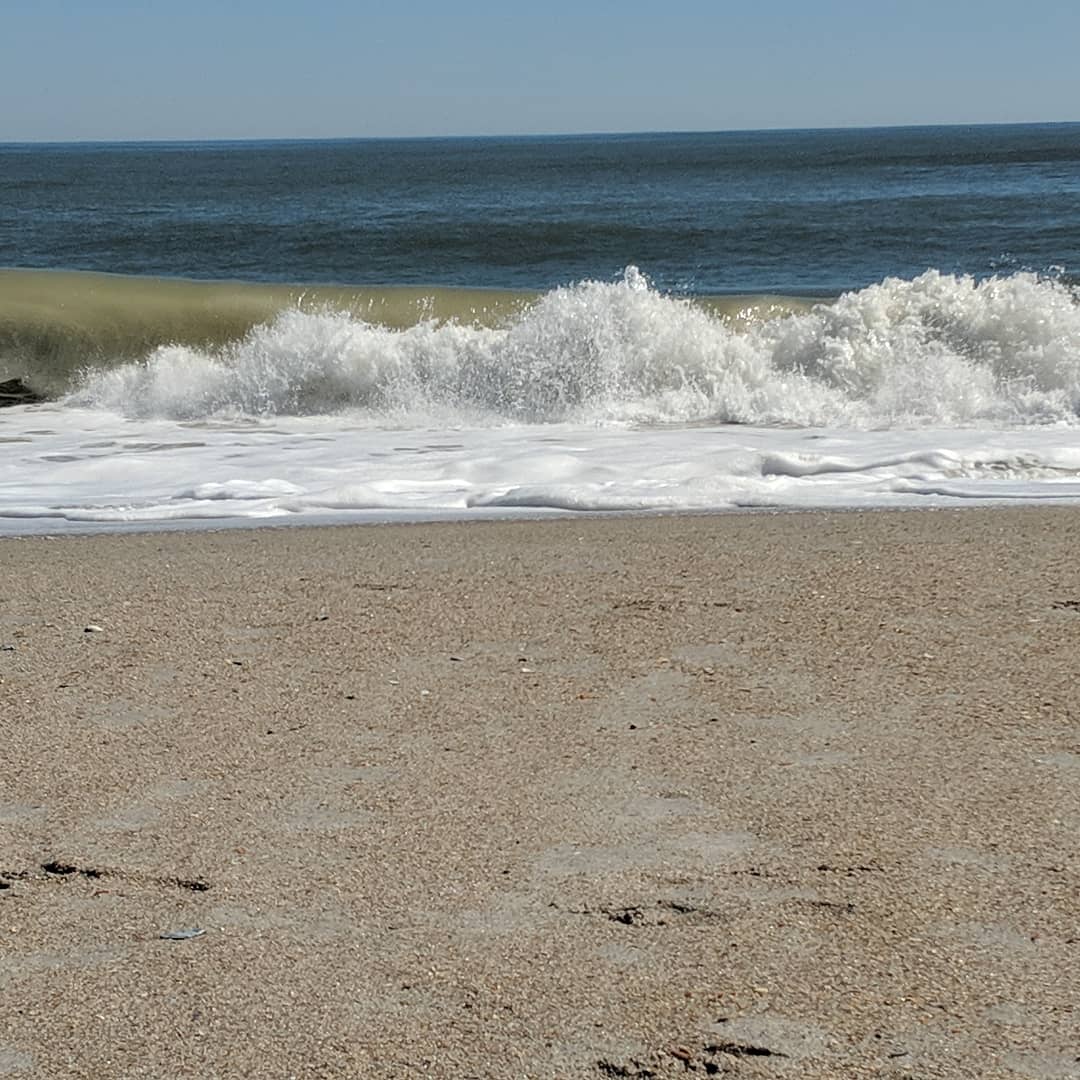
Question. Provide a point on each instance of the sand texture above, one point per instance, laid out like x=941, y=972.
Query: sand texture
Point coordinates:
x=786, y=796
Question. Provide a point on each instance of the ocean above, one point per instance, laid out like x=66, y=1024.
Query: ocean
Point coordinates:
x=373, y=330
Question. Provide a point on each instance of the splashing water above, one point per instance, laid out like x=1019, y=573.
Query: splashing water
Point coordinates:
x=936, y=350
x=596, y=397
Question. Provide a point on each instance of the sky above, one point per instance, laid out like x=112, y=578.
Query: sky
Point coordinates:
x=242, y=69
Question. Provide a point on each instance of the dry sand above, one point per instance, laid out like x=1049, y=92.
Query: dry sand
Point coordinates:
x=771, y=795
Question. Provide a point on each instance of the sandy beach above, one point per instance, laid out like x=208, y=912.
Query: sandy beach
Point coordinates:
x=771, y=795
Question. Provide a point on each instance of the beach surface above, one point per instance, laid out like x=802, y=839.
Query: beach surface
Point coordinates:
x=770, y=795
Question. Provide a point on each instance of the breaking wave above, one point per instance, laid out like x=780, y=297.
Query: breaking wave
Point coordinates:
x=934, y=350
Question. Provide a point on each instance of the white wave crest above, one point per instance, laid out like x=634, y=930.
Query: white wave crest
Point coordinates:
x=935, y=350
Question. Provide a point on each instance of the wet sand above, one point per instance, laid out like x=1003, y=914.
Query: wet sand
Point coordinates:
x=769, y=795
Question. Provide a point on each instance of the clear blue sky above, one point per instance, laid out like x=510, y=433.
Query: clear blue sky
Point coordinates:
x=164, y=69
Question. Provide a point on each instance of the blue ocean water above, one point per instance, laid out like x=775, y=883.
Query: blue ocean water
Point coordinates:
x=792, y=212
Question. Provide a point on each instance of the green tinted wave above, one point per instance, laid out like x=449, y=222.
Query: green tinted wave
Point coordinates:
x=54, y=324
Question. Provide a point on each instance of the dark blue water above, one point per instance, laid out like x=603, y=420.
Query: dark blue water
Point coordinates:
x=805, y=212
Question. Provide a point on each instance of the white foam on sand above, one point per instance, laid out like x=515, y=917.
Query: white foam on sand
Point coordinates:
x=98, y=467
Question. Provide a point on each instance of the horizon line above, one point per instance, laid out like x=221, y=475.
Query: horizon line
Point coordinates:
x=226, y=139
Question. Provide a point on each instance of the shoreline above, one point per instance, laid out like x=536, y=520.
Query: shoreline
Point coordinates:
x=771, y=793
x=516, y=516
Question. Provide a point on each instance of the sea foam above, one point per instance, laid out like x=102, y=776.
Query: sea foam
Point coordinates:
x=599, y=397
x=937, y=350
